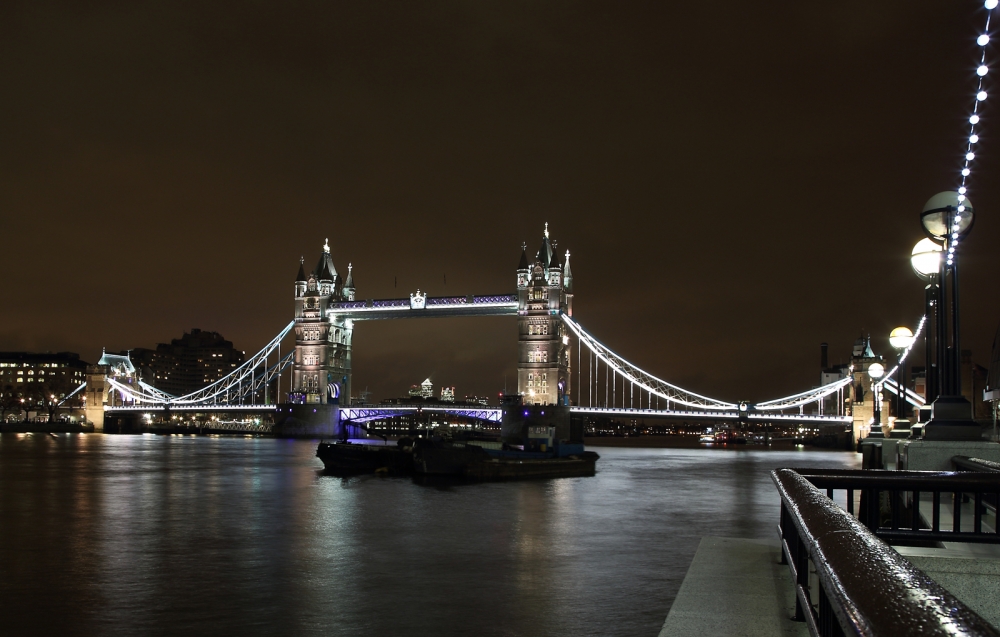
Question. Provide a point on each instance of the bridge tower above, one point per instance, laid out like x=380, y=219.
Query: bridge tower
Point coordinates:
x=544, y=291
x=321, y=371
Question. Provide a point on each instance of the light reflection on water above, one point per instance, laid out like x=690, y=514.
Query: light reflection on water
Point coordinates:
x=124, y=535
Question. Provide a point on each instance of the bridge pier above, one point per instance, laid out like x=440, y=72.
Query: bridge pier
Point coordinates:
x=310, y=420
x=517, y=419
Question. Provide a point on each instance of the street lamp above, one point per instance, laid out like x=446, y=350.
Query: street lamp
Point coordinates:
x=875, y=372
x=947, y=218
x=926, y=261
x=901, y=339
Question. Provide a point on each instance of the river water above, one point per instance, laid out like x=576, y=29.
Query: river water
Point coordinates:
x=170, y=535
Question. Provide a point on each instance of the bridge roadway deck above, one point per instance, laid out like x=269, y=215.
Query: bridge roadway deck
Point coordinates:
x=364, y=413
x=430, y=307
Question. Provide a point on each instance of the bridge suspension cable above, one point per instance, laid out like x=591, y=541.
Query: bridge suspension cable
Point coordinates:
x=243, y=384
x=637, y=377
x=804, y=398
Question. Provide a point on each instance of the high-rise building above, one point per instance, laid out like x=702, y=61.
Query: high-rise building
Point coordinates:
x=545, y=291
x=447, y=394
x=188, y=363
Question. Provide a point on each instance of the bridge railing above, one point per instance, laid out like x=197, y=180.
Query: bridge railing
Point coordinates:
x=863, y=586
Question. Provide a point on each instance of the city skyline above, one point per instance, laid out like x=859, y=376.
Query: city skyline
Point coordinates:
x=735, y=188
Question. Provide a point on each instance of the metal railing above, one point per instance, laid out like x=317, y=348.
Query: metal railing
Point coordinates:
x=863, y=586
x=893, y=507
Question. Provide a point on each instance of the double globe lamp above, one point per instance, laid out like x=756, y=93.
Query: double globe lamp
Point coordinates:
x=946, y=219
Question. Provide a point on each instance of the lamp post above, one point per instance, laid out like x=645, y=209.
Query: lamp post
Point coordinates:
x=947, y=218
x=901, y=338
x=926, y=261
x=875, y=372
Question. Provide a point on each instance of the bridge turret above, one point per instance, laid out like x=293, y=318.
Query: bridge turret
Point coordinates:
x=326, y=272
x=568, y=285
x=523, y=271
x=555, y=271
x=321, y=372
x=543, y=370
x=300, y=279
x=348, y=291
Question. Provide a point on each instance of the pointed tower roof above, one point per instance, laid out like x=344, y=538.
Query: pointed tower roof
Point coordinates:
x=302, y=271
x=545, y=252
x=863, y=347
x=868, y=348
x=523, y=264
x=325, y=270
x=567, y=274
x=349, y=283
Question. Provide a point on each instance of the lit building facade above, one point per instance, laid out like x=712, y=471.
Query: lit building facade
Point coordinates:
x=323, y=340
x=544, y=291
x=186, y=364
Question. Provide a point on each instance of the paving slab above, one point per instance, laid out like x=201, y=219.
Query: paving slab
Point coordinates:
x=735, y=588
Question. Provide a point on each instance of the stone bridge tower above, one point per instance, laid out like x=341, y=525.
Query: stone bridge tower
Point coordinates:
x=321, y=371
x=544, y=291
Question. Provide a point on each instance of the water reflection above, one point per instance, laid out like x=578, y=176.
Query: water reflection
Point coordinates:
x=109, y=535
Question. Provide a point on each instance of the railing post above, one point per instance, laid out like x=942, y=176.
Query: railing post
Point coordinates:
x=801, y=575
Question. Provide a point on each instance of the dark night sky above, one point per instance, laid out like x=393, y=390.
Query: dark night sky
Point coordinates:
x=737, y=182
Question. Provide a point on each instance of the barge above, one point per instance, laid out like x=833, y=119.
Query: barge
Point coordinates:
x=479, y=460
x=535, y=442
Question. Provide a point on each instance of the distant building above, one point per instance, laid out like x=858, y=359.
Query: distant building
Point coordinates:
x=423, y=390
x=188, y=363
x=34, y=382
x=862, y=398
x=447, y=394
x=23, y=369
x=477, y=400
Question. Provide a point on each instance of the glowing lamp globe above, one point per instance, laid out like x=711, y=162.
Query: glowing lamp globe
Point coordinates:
x=901, y=338
x=926, y=258
x=875, y=370
x=940, y=211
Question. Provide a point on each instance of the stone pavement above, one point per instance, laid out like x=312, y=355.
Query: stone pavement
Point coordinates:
x=735, y=588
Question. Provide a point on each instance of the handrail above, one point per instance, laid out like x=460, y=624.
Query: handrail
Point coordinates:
x=891, y=502
x=966, y=463
x=865, y=587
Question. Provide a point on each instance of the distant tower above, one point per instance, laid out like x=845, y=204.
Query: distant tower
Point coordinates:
x=862, y=398
x=321, y=372
x=543, y=291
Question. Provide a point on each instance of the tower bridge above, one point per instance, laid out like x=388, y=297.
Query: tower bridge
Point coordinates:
x=553, y=381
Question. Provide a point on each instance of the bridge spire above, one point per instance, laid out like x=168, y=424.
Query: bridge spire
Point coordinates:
x=567, y=275
x=545, y=252
x=349, y=283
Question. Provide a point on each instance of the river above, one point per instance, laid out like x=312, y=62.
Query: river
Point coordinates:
x=173, y=535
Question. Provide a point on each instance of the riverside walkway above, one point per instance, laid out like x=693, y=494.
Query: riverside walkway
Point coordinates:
x=735, y=587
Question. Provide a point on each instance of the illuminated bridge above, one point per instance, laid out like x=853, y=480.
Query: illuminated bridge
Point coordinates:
x=559, y=362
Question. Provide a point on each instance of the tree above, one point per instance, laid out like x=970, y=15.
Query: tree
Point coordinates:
x=51, y=393
x=10, y=400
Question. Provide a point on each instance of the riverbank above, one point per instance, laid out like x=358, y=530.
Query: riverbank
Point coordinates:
x=688, y=442
x=45, y=428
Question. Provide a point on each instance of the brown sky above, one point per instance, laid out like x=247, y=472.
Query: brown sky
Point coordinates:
x=737, y=181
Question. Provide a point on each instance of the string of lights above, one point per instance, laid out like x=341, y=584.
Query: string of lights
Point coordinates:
x=981, y=71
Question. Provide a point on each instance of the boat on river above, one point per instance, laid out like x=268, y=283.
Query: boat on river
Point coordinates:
x=436, y=455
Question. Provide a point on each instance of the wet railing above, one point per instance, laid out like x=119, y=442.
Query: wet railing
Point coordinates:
x=924, y=506
x=862, y=586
